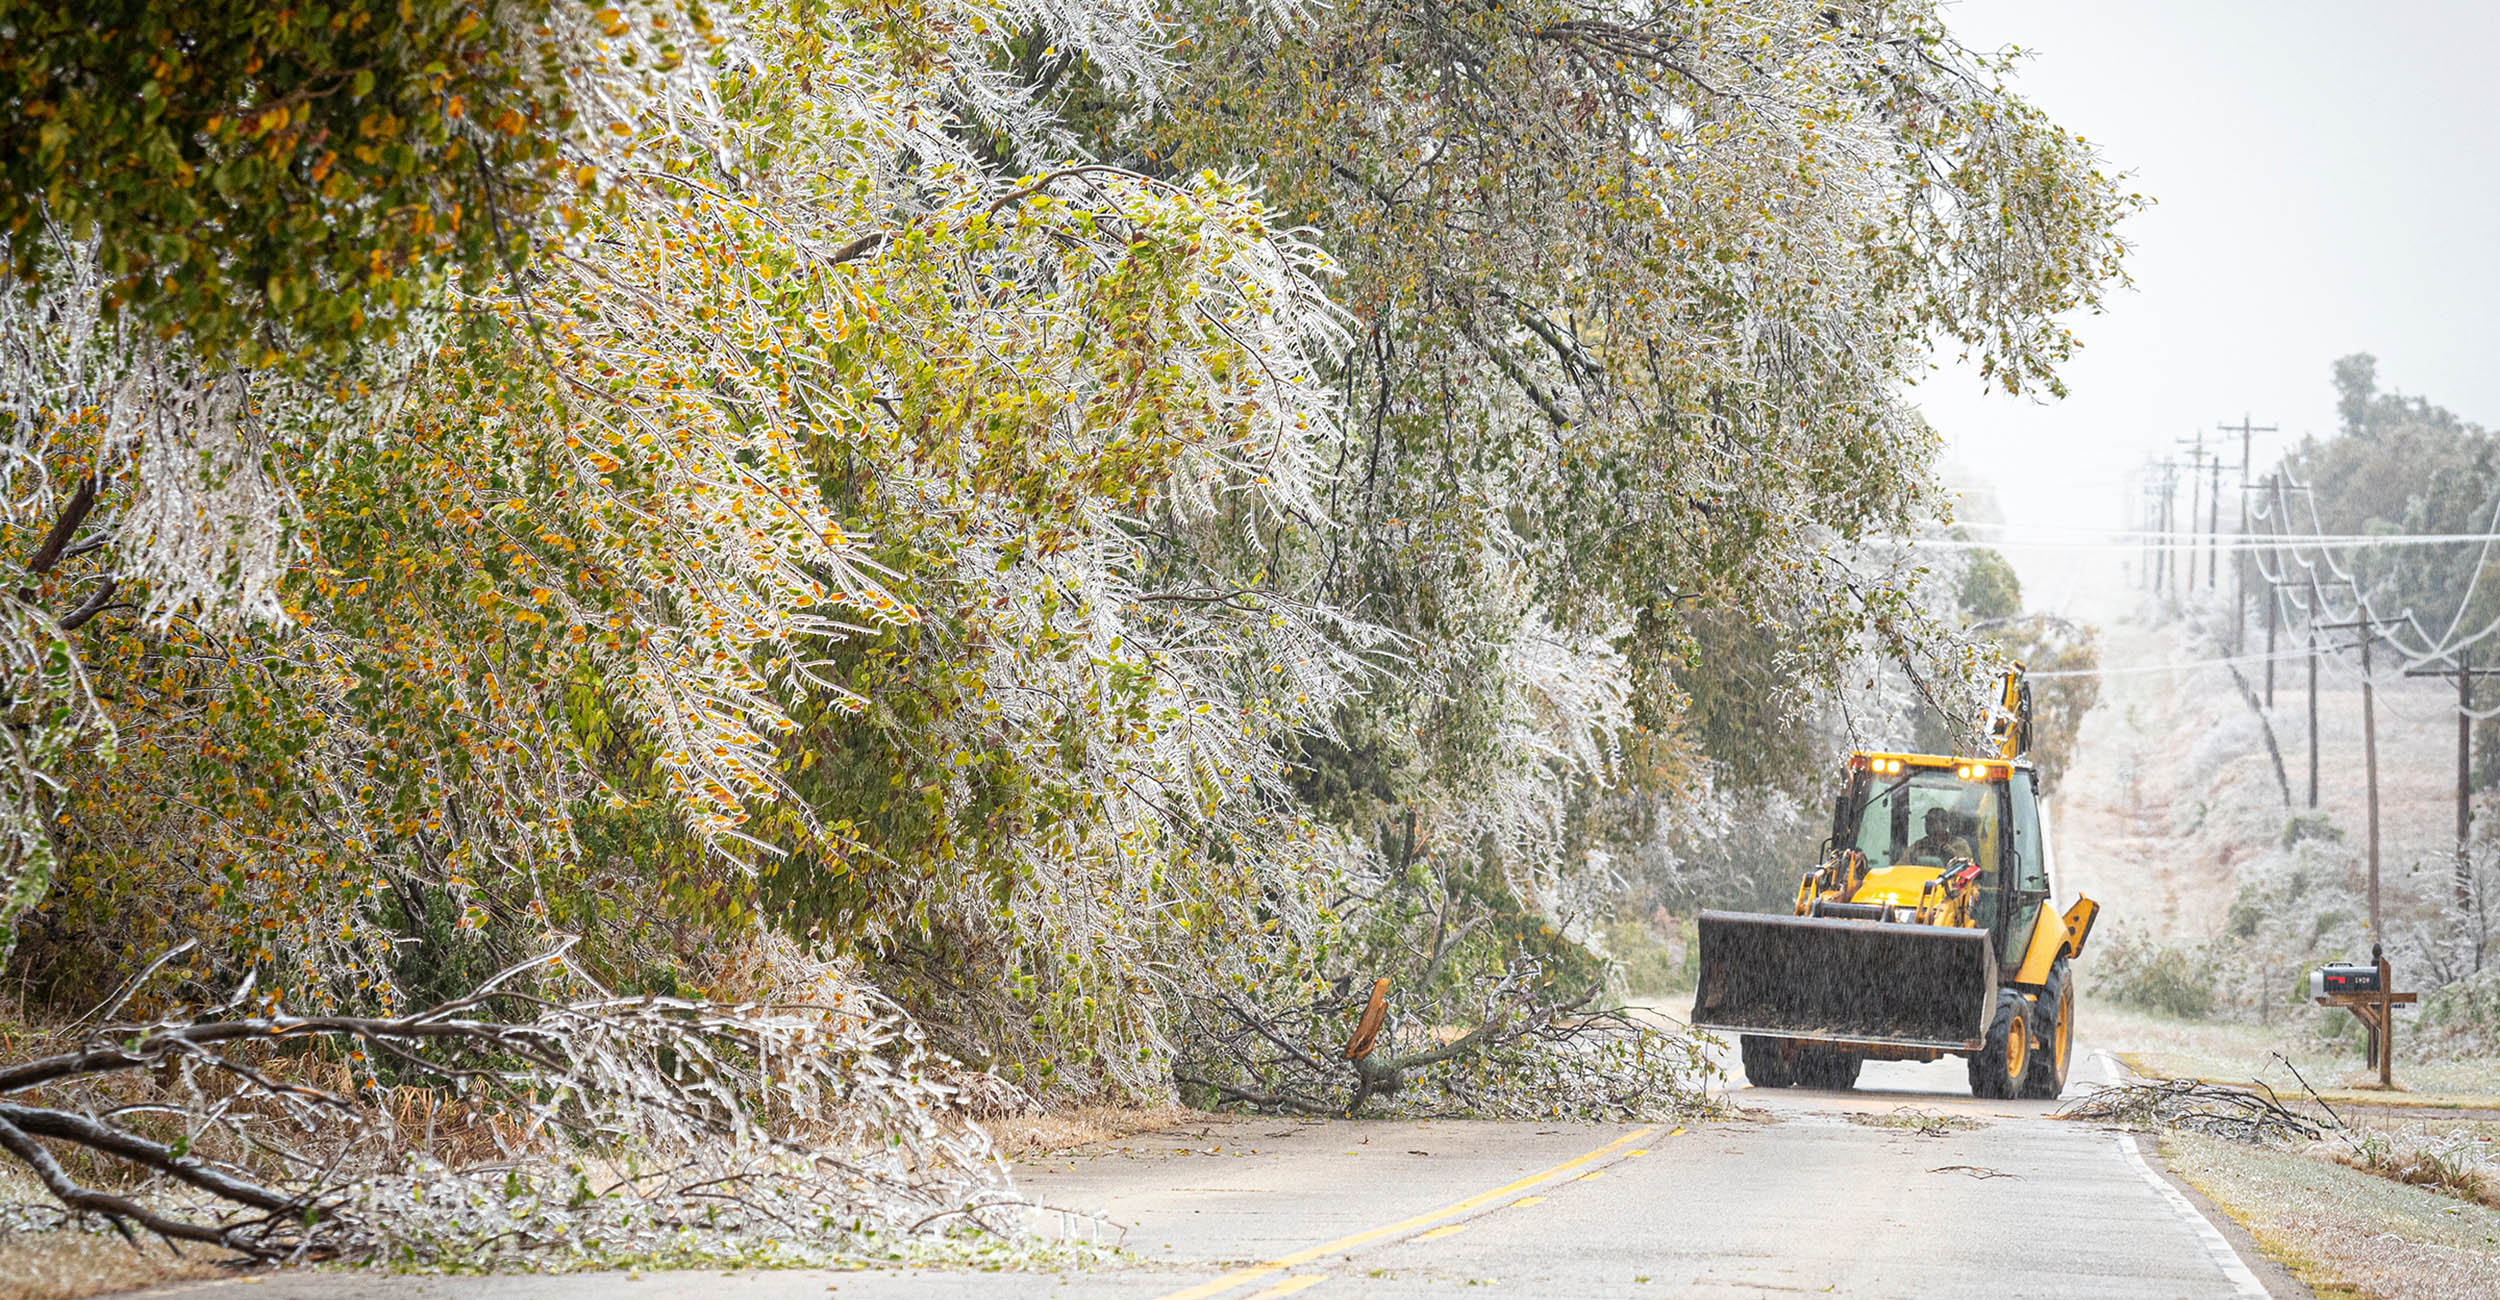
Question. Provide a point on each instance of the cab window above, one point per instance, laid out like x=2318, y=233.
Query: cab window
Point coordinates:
x=1928, y=817
x=2026, y=868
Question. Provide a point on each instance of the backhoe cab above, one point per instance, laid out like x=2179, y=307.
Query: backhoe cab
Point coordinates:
x=1924, y=932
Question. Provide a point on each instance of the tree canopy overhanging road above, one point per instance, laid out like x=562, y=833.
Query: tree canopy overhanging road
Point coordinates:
x=631, y=624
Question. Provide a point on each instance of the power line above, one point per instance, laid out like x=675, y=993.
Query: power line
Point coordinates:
x=2428, y=650
x=2444, y=650
x=2118, y=541
x=2184, y=666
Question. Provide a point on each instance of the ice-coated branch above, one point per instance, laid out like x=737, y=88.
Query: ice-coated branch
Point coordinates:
x=827, y=1118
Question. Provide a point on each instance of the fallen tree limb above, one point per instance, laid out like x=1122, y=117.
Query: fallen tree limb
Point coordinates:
x=793, y=1124
x=104, y=1138
x=1515, y=1048
x=2223, y=1111
x=120, y=1211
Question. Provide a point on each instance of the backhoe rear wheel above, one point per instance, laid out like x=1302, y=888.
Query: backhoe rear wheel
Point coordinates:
x=1766, y=1065
x=1999, y=1067
x=2053, y=1019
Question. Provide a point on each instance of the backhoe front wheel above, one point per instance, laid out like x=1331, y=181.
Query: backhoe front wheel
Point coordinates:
x=1766, y=1066
x=1829, y=1068
x=1997, y=1072
x=2053, y=1019
x=1788, y=1063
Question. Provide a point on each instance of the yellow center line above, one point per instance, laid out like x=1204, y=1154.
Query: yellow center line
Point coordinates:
x=1445, y=1230
x=1526, y=1201
x=1246, y=1276
x=1291, y=1285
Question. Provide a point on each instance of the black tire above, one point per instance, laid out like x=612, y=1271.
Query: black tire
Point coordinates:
x=1766, y=1064
x=1834, y=1069
x=2053, y=1025
x=1999, y=1067
x=1810, y=1065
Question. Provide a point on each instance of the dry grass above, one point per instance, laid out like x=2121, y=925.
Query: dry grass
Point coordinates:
x=2450, y=1166
x=2341, y=1230
x=69, y=1265
x=1026, y=1137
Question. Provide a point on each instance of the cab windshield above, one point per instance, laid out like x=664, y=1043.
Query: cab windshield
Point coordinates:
x=1928, y=818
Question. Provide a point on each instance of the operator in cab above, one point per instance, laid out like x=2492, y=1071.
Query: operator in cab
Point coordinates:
x=1939, y=846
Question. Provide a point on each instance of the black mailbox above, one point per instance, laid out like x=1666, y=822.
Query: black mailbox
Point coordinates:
x=2344, y=977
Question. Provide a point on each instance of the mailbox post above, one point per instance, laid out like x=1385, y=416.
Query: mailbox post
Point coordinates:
x=2368, y=992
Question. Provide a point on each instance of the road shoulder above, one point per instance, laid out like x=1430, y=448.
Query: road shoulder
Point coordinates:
x=2280, y=1282
x=2341, y=1232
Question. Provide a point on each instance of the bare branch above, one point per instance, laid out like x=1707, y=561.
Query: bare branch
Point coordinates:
x=64, y=527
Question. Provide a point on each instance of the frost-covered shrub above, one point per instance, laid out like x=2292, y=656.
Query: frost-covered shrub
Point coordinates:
x=2157, y=976
x=2310, y=826
x=2463, y=1018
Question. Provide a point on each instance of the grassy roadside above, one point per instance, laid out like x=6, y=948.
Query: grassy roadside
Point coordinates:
x=1028, y=1138
x=2345, y=1233
x=70, y=1266
x=2166, y=1047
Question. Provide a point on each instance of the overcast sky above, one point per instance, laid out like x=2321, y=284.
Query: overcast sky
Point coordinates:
x=2325, y=177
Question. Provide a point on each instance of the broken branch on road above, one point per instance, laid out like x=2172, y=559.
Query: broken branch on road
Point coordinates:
x=2241, y=1114
x=1503, y=1044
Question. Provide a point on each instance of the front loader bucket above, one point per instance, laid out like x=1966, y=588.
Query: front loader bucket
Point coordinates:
x=1846, y=980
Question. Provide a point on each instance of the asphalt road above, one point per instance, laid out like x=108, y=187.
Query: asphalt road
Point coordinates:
x=1797, y=1199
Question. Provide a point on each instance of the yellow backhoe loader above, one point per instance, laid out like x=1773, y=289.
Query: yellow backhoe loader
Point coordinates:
x=1925, y=932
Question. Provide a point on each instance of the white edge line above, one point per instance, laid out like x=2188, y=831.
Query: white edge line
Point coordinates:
x=2216, y=1244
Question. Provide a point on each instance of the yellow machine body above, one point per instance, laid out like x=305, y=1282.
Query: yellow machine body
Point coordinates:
x=2054, y=936
x=1900, y=886
x=1912, y=949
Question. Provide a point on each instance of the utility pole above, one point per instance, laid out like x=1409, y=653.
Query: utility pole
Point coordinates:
x=2165, y=558
x=2313, y=714
x=2170, y=529
x=2369, y=761
x=2213, y=524
x=2195, y=465
x=2465, y=672
x=2271, y=620
x=2239, y=562
x=2317, y=606
x=2274, y=600
x=2274, y=576
x=2273, y=616
x=2152, y=529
